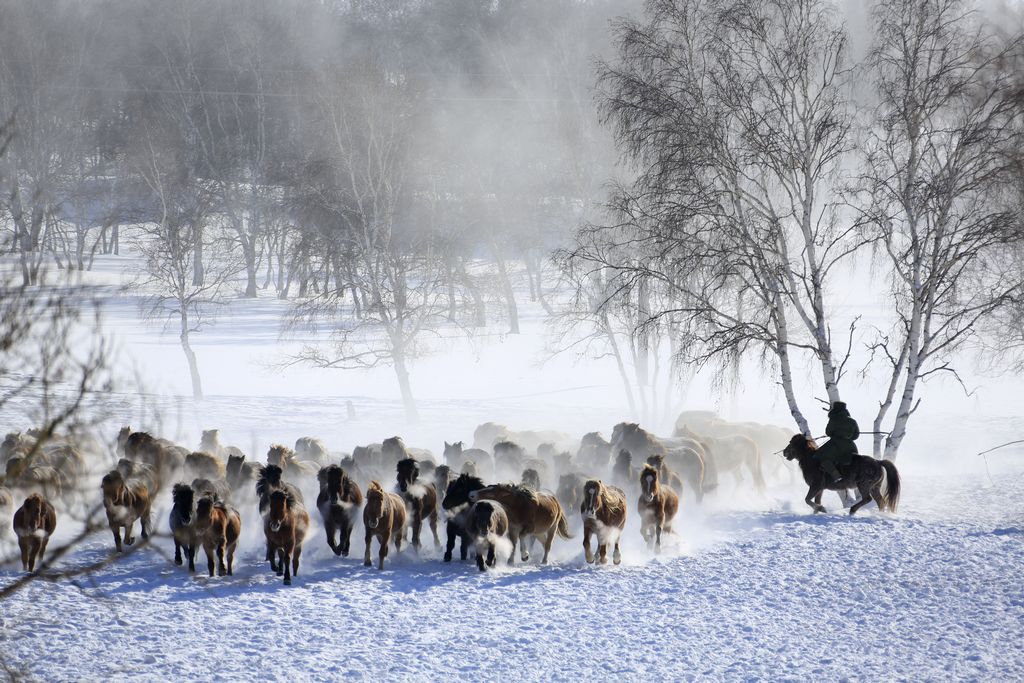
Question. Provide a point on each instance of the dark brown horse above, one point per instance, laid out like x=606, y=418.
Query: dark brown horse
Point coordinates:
x=863, y=473
x=285, y=528
x=125, y=502
x=339, y=502
x=420, y=499
x=34, y=523
x=531, y=515
x=488, y=523
x=604, y=515
x=384, y=518
x=217, y=528
x=183, y=524
x=657, y=507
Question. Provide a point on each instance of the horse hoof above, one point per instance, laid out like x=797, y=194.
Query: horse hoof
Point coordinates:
x=337, y=552
x=287, y=582
x=367, y=563
x=447, y=557
x=280, y=572
x=129, y=541
x=344, y=553
x=177, y=561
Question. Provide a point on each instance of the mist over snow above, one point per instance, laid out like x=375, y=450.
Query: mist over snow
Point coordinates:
x=538, y=243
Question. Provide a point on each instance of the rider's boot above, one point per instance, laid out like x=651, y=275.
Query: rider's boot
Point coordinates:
x=831, y=472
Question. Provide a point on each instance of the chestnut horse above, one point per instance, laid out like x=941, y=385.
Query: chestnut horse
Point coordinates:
x=34, y=523
x=383, y=517
x=285, y=527
x=657, y=507
x=218, y=528
x=125, y=502
x=487, y=524
x=863, y=473
x=604, y=515
x=420, y=499
x=339, y=500
x=531, y=515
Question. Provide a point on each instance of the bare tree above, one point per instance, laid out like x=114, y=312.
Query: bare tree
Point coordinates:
x=734, y=115
x=939, y=164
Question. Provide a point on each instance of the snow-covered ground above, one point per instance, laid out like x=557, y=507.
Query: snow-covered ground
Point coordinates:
x=750, y=588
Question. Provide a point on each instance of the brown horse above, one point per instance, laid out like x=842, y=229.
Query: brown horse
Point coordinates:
x=285, y=527
x=218, y=527
x=685, y=456
x=487, y=522
x=125, y=502
x=339, y=500
x=657, y=507
x=531, y=515
x=604, y=515
x=239, y=473
x=420, y=499
x=205, y=465
x=34, y=523
x=285, y=458
x=384, y=518
x=863, y=473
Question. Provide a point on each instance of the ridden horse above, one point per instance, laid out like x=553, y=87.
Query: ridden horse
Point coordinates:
x=863, y=473
x=218, y=528
x=285, y=527
x=338, y=502
x=487, y=523
x=34, y=523
x=125, y=502
x=183, y=524
x=456, y=505
x=657, y=507
x=531, y=515
x=384, y=518
x=604, y=515
x=420, y=499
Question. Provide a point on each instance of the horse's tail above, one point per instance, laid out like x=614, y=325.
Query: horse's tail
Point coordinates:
x=757, y=469
x=562, y=524
x=891, y=497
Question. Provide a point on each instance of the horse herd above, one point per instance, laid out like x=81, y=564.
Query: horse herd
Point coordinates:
x=213, y=482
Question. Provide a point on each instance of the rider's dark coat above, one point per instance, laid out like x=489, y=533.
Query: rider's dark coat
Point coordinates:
x=842, y=431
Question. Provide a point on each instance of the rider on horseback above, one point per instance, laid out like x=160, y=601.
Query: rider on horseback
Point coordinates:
x=839, y=450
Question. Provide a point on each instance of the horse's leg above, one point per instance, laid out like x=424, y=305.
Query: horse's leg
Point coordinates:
x=222, y=568
x=463, y=546
x=330, y=530
x=286, y=560
x=177, y=552
x=548, y=541
x=369, y=541
x=231, y=559
x=450, y=544
x=659, y=524
x=282, y=560
x=433, y=530
x=128, y=538
x=23, y=545
x=41, y=552
x=190, y=551
x=865, y=498
x=602, y=551
x=816, y=503
x=417, y=522
x=208, y=549
x=616, y=555
x=384, y=540
x=586, y=543
x=514, y=537
x=346, y=539
x=491, y=558
x=525, y=543
x=116, y=530
x=480, y=562
x=295, y=559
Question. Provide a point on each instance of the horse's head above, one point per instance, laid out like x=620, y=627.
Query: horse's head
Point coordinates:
x=123, y=434
x=469, y=467
x=408, y=472
x=374, y=509
x=799, y=446
x=531, y=479
x=452, y=450
x=332, y=481
x=623, y=461
x=211, y=437
x=34, y=512
x=649, y=482
x=280, y=506
x=183, y=497
x=483, y=516
x=279, y=455
x=592, y=493
x=393, y=448
x=459, y=491
x=112, y=484
x=235, y=463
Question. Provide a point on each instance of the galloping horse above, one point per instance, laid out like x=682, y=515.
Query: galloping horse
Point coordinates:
x=604, y=515
x=863, y=473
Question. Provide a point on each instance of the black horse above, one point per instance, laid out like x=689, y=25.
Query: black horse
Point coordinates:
x=456, y=505
x=863, y=473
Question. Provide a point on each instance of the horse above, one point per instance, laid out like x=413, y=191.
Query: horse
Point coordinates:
x=338, y=501
x=125, y=502
x=508, y=459
x=531, y=479
x=240, y=473
x=531, y=514
x=863, y=473
x=268, y=482
x=685, y=456
x=311, y=449
x=218, y=488
x=285, y=528
x=26, y=472
x=456, y=456
x=205, y=465
x=139, y=471
x=210, y=443
x=624, y=474
x=163, y=455
x=595, y=452
x=284, y=457
x=456, y=505
x=421, y=499
x=384, y=518
x=488, y=523
x=604, y=515
x=569, y=487
x=218, y=527
x=657, y=507
x=670, y=478
x=733, y=453
x=6, y=509
x=183, y=524
x=34, y=523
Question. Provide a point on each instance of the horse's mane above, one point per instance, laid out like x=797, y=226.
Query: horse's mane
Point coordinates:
x=374, y=488
x=612, y=499
x=516, y=490
x=179, y=491
x=288, y=493
x=270, y=476
x=465, y=479
x=406, y=462
x=594, y=439
x=649, y=469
